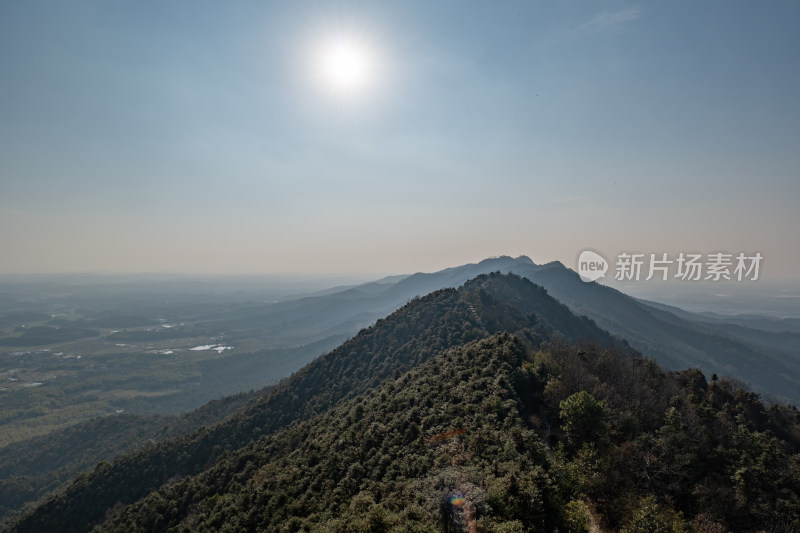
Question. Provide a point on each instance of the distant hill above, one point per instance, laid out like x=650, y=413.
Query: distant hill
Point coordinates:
x=768, y=362
x=353, y=308
x=766, y=359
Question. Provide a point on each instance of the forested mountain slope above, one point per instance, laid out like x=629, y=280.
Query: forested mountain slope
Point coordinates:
x=466, y=410
x=460, y=442
x=415, y=333
x=496, y=436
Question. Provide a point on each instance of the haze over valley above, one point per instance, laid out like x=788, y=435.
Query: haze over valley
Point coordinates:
x=430, y=267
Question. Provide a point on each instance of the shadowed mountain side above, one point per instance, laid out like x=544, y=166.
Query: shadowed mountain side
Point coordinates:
x=677, y=342
x=348, y=310
x=765, y=360
x=777, y=333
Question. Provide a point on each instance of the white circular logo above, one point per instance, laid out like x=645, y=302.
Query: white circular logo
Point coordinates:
x=591, y=266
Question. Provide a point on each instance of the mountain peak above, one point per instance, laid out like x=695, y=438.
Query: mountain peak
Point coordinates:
x=504, y=259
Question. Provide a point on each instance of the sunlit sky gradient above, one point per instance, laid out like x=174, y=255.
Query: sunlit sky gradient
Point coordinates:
x=190, y=136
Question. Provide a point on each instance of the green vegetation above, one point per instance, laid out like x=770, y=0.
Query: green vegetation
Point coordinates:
x=377, y=460
x=584, y=420
x=438, y=419
x=420, y=330
x=374, y=463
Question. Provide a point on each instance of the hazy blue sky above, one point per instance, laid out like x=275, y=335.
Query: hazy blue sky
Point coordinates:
x=197, y=136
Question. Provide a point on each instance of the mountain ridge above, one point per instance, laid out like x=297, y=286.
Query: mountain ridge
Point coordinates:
x=420, y=329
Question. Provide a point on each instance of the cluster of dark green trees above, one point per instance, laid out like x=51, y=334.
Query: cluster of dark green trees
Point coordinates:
x=475, y=408
x=669, y=451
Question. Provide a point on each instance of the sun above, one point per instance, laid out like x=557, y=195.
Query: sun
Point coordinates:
x=346, y=65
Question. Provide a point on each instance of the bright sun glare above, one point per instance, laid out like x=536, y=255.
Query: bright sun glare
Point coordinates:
x=345, y=66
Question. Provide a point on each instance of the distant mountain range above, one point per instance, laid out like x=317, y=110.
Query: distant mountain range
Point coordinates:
x=764, y=353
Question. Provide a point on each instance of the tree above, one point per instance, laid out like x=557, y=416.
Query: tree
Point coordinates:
x=584, y=419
